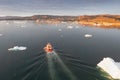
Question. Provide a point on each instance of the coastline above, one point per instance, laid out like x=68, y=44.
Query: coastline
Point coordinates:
x=101, y=21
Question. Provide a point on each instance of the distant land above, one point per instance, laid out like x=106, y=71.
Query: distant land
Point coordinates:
x=105, y=21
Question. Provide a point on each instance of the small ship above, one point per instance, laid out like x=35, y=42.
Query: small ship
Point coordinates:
x=48, y=48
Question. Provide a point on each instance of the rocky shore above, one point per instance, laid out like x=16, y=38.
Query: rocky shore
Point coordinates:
x=105, y=21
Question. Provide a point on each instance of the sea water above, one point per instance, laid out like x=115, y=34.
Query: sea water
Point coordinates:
x=78, y=53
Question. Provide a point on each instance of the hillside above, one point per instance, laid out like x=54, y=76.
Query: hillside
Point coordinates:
x=106, y=21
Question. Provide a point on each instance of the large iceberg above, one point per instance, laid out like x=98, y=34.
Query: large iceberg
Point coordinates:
x=17, y=48
x=111, y=67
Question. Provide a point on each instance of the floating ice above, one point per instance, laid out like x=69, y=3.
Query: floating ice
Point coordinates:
x=7, y=23
x=63, y=22
x=23, y=26
x=20, y=22
x=61, y=36
x=76, y=27
x=1, y=34
x=88, y=35
x=111, y=67
x=69, y=27
x=60, y=30
x=17, y=48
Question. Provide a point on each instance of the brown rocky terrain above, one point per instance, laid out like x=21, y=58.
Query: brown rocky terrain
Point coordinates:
x=105, y=21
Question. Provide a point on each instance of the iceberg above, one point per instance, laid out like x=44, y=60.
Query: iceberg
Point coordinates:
x=63, y=22
x=88, y=35
x=20, y=22
x=60, y=30
x=7, y=23
x=23, y=26
x=17, y=48
x=77, y=27
x=70, y=27
x=111, y=67
x=1, y=34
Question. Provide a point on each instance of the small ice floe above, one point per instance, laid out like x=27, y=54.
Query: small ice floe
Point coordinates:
x=61, y=36
x=60, y=30
x=17, y=48
x=1, y=34
x=23, y=26
x=88, y=35
x=70, y=27
x=76, y=27
x=63, y=22
x=111, y=67
x=7, y=23
x=20, y=26
x=19, y=22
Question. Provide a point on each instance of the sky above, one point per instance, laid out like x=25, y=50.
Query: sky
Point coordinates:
x=58, y=7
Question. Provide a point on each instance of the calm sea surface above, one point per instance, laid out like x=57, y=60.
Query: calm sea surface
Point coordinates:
x=80, y=55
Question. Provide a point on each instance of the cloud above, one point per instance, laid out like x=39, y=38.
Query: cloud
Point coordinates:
x=111, y=67
x=17, y=48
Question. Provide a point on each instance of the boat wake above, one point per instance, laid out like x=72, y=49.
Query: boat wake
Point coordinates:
x=58, y=66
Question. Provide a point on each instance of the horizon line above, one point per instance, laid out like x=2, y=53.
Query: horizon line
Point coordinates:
x=52, y=15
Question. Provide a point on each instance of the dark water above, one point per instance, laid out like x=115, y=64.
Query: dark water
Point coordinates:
x=79, y=54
